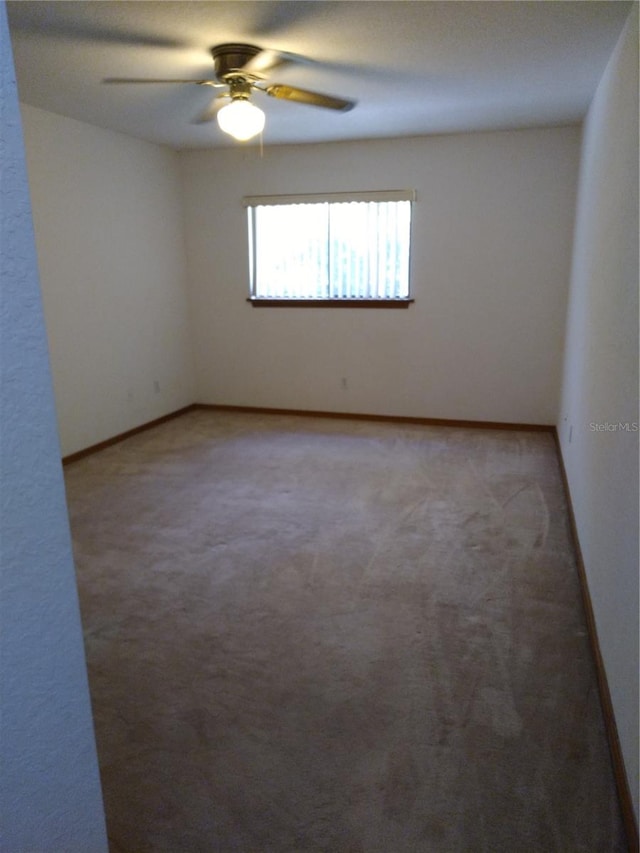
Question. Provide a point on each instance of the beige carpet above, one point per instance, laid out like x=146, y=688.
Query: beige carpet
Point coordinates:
x=316, y=635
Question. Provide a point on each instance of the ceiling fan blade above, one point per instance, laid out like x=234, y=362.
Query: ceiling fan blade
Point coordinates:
x=304, y=96
x=268, y=59
x=282, y=15
x=210, y=112
x=118, y=80
x=263, y=61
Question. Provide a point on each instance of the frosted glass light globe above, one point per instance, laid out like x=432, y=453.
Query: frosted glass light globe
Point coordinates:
x=241, y=119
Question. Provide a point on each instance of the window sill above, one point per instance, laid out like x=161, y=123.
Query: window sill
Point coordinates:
x=258, y=302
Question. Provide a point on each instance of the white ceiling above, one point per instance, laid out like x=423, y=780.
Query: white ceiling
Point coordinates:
x=414, y=67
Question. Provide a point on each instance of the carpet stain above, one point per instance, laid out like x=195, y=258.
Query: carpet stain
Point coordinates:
x=401, y=785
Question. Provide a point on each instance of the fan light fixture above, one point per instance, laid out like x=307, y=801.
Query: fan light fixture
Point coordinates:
x=241, y=119
x=242, y=67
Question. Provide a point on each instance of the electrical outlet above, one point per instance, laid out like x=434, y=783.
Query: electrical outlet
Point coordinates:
x=343, y=383
x=156, y=386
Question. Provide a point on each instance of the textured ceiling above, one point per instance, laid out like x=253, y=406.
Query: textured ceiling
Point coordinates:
x=414, y=67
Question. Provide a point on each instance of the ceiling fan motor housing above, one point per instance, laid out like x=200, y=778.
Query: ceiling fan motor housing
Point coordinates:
x=230, y=59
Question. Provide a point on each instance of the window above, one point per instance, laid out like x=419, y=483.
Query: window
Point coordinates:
x=336, y=249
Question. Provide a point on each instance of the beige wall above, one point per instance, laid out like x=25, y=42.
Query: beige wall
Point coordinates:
x=492, y=235
x=491, y=257
x=600, y=386
x=108, y=221
x=49, y=783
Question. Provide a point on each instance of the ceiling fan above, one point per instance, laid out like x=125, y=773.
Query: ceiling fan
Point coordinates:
x=243, y=68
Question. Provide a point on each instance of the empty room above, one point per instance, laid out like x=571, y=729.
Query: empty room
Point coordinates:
x=319, y=426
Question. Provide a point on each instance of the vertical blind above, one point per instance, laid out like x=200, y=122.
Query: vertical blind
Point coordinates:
x=330, y=248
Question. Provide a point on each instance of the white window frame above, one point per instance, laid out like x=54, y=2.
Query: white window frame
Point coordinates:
x=361, y=299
